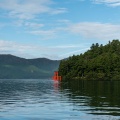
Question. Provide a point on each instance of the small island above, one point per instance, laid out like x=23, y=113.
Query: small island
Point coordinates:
x=98, y=63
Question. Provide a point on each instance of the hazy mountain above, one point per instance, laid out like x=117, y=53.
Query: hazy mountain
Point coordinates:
x=12, y=67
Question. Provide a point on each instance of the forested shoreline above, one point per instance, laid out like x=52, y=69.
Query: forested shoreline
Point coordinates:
x=98, y=63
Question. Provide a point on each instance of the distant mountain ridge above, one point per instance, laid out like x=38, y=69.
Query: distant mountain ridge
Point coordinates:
x=13, y=67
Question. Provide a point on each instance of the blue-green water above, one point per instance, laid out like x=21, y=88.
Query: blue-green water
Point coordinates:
x=33, y=99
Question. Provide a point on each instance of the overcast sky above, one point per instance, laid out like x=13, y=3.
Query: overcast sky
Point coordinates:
x=56, y=29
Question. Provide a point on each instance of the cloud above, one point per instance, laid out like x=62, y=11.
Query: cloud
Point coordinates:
x=28, y=9
x=29, y=51
x=113, y=3
x=29, y=25
x=33, y=25
x=59, y=10
x=45, y=34
x=37, y=51
x=63, y=22
x=70, y=46
x=74, y=52
x=88, y=30
x=104, y=31
x=9, y=46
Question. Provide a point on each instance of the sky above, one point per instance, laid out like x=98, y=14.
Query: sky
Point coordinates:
x=56, y=29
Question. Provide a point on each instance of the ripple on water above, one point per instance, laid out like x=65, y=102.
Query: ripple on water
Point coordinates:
x=46, y=100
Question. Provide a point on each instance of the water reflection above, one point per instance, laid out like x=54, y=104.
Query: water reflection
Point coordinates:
x=95, y=97
x=56, y=85
x=19, y=93
x=52, y=100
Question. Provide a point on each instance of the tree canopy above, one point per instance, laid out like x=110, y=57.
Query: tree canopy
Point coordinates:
x=98, y=63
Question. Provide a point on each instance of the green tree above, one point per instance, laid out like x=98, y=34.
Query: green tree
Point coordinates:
x=98, y=63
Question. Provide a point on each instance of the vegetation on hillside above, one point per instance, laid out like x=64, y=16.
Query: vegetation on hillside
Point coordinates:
x=98, y=63
x=12, y=67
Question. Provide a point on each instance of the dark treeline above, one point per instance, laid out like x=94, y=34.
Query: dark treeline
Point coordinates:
x=98, y=63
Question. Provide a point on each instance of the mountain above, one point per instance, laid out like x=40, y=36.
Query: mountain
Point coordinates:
x=98, y=63
x=13, y=67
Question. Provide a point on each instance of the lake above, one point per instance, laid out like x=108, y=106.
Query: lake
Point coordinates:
x=44, y=99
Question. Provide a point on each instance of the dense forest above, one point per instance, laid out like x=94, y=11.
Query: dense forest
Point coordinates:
x=12, y=67
x=98, y=63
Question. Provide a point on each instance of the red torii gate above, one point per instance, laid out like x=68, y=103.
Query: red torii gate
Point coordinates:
x=56, y=76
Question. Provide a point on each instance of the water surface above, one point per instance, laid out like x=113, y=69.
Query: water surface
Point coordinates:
x=40, y=99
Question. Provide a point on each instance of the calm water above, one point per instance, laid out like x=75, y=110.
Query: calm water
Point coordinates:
x=49, y=100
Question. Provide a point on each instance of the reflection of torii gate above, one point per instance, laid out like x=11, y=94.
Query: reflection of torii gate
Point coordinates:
x=56, y=76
